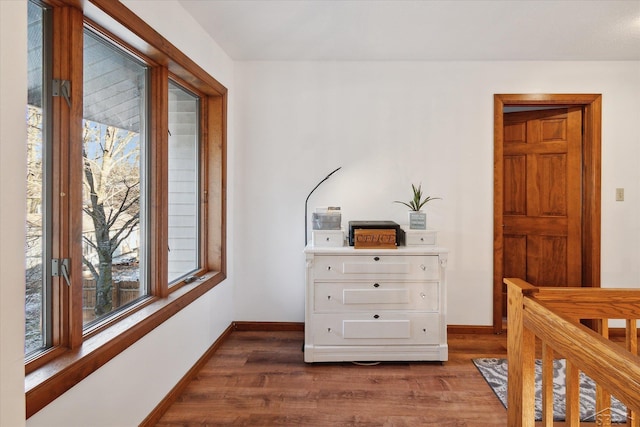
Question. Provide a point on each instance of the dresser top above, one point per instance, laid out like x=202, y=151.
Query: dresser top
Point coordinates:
x=401, y=250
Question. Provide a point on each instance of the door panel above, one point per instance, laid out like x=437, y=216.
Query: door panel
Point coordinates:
x=515, y=181
x=547, y=260
x=553, y=184
x=542, y=164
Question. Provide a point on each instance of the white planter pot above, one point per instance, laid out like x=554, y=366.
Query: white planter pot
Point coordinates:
x=417, y=220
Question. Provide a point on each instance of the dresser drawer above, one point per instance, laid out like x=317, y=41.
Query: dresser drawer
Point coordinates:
x=402, y=267
x=420, y=237
x=367, y=329
x=381, y=295
x=327, y=238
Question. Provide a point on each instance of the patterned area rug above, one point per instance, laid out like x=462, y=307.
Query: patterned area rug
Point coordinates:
x=494, y=372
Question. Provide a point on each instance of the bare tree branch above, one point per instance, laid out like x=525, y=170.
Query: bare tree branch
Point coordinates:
x=129, y=226
x=91, y=268
x=89, y=242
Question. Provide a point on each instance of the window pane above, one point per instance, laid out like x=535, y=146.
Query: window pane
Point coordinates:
x=114, y=221
x=36, y=209
x=184, y=113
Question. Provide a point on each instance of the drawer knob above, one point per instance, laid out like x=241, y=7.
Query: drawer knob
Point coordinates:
x=377, y=258
x=328, y=267
x=328, y=297
x=375, y=316
x=421, y=294
x=423, y=267
x=421, y=239
x=424, y=330
x=376, y=285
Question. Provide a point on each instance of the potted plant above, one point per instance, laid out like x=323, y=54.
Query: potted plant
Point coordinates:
x=417, y=218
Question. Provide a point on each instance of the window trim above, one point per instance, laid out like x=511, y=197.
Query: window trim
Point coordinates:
x=75, y=356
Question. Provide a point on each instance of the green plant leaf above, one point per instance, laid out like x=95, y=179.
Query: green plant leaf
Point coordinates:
x=404, y=203
x=418, y=201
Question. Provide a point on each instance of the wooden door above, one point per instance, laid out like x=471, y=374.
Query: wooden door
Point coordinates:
x=590, y=218
x=542, y=197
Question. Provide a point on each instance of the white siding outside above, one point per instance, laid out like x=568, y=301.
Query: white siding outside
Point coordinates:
x=183, y=183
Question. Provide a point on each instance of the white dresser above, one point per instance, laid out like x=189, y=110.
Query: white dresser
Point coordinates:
x=375, y=304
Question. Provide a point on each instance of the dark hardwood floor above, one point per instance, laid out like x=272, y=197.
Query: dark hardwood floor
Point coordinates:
x=260, y=379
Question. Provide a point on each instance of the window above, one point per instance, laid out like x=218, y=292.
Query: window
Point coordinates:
x=184, y=182
x=125, y=210
x=37, y=275
x=114, y=141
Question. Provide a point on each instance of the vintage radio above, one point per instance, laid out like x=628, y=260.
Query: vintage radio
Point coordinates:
x=373, y=238
x=376, y=225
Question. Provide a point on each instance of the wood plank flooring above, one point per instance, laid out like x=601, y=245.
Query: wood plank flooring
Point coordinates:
x=259, y=378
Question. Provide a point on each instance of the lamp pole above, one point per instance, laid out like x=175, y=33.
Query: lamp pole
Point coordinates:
x=306, y=202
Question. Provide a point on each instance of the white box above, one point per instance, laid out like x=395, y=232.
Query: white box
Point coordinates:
x=327, y=238
x=420, y=237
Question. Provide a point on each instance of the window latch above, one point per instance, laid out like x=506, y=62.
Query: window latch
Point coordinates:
x=60, y=267
x=62, y=88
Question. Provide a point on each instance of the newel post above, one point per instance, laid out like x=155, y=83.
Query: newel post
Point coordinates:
x=521, y=356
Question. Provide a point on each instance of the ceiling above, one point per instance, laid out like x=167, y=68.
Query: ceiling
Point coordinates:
x=438, y=30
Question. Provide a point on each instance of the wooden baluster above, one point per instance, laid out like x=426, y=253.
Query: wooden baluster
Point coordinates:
x=573, y=395
x=603, y=397
x=547, y=385
x=632, y=336
x=631, y=344
x=521, y=355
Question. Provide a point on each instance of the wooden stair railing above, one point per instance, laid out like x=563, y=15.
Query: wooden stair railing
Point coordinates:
x=553, y=316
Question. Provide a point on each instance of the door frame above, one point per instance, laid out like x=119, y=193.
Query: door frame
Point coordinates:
x=591, y=188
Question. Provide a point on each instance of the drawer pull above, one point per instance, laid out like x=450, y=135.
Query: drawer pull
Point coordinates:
x=328, y=238
x=329, y=297
x=376, y=285
x=421, y=294
x=423, y=267
x=328, y=329
x=377, y=258
x=375, y=316
x=424, y=330
x=328, y=268
x=421, y=239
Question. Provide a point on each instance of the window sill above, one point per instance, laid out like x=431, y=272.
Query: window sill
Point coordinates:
x=48, y=382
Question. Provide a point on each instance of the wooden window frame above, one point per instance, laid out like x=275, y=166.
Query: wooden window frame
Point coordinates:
x=74, y=354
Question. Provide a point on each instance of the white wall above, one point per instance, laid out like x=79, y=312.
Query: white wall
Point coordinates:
x=392, y=124
x=125, y=390
x=13, y=99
